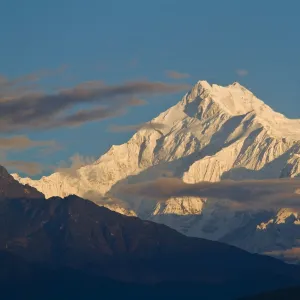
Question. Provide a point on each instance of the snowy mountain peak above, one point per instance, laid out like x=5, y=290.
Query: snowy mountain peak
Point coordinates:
x=211, y=100
x=233, y=99
x=215, y=132
x=203, y=84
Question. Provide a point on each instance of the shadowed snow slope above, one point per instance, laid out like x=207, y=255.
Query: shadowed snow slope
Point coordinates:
x=213, y=133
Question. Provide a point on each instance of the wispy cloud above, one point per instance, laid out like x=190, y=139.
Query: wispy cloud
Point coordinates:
x=250, y=194
x=87, y=115
x=34, y=168
x=22, y=142
x=147, y=126
x=43, y=111
x=242, y=72
x=30, y=168
x=24, y=107
x=25, y=84
x=177, y=75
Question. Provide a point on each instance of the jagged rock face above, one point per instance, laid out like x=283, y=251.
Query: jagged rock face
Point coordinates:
x=213, y=133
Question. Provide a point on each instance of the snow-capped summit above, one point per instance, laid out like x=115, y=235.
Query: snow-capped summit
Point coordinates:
x=233, y=99
x=212, y=133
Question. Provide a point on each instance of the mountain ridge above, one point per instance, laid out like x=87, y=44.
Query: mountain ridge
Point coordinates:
x=74, y=241
x=212, y=133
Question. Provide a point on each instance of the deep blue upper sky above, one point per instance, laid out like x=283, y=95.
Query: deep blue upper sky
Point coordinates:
x=116, y=41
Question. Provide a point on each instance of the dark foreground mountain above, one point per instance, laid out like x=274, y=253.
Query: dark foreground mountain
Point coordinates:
x=10, y=188
x=73, y=246
x=20, y=279
x=74, y=238
x=283, y=294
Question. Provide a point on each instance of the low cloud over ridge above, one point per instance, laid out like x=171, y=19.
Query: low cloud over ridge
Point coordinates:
x=76, y=162
x=248, y=194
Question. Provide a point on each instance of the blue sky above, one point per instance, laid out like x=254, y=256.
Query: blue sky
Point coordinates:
x=119, y=41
